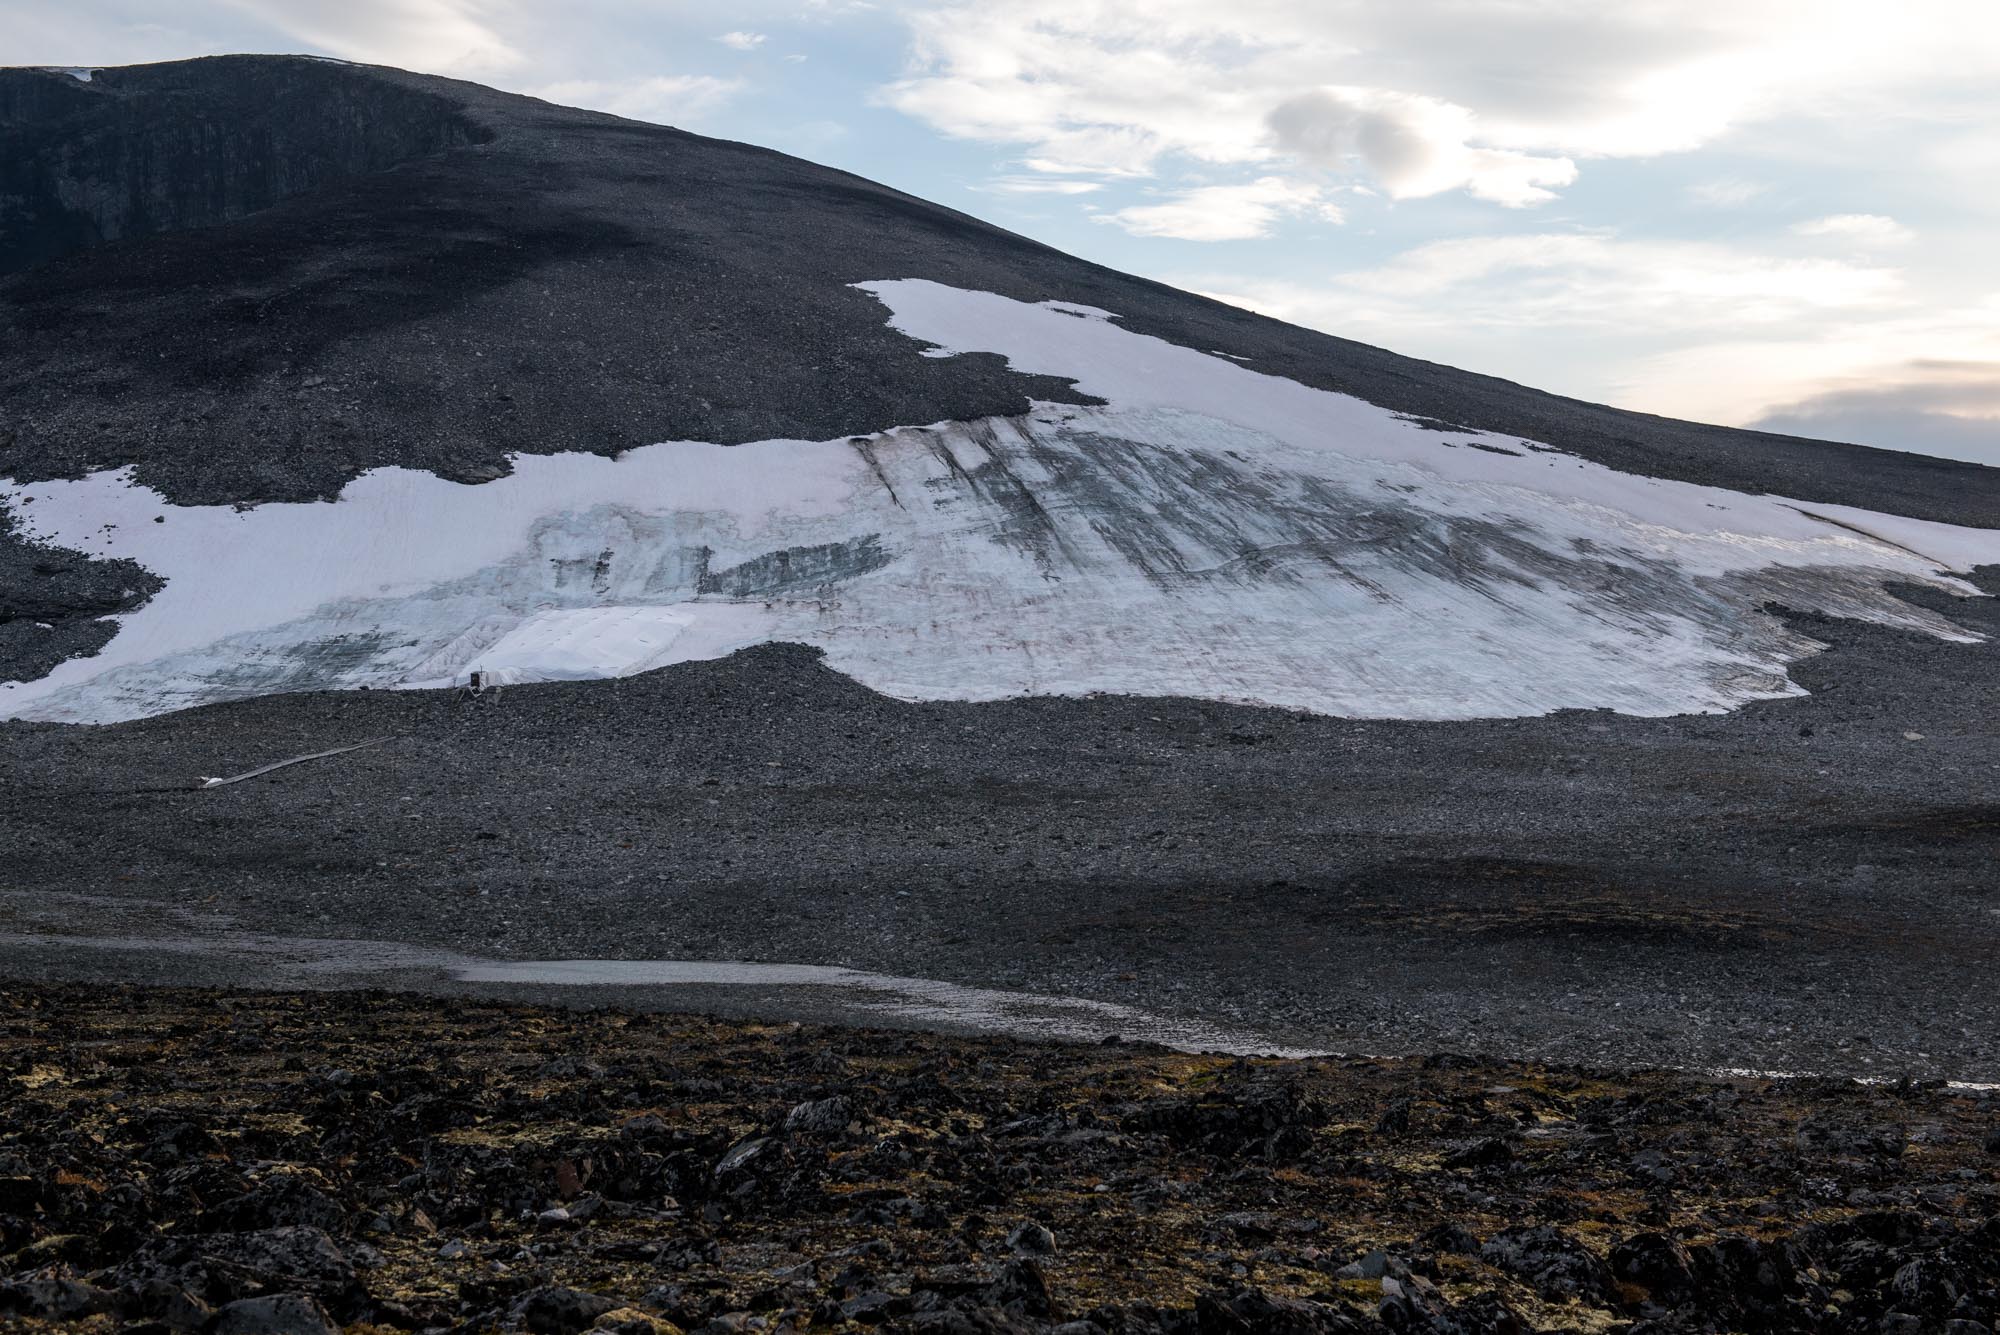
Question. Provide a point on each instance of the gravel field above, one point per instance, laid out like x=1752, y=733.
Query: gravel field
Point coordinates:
x=1801, y=885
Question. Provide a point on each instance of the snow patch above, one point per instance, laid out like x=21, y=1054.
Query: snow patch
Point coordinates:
x=1134, y=371
x=587, y=643
x=1211, y=532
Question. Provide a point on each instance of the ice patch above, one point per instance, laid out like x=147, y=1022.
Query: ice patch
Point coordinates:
x=583, y=644
x=1212, y=532
x=1138, y=371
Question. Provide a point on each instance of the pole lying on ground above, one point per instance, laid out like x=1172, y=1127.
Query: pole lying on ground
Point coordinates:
x=280, y=764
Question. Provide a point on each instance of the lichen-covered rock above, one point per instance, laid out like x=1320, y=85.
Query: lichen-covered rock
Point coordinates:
x=1552, y=1261
x=279, y=1314
x=496, y=1167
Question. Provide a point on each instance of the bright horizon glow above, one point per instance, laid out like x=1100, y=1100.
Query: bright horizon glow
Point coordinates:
x=1773, y=213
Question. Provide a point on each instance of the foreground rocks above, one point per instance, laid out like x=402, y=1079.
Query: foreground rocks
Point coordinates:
x=275, y=1164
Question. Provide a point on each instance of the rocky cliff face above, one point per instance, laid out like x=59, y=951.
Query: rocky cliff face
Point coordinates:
x=159, y=148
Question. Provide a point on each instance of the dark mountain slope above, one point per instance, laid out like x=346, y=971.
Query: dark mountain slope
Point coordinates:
x=170, y=147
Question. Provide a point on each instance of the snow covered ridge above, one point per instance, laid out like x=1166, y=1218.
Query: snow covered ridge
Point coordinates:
x=1212, y=532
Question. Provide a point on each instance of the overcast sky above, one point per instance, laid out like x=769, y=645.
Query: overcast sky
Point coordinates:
x=1777, y=212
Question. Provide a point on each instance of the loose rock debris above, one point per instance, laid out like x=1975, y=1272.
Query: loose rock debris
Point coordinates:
x=183, y=1161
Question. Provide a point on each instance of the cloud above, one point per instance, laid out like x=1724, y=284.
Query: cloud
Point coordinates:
x=1870, y=230
x=1412, y=145
x=447, y=36
x=1506, y=100
x=1226, y=212
x=742, y=41
x=1966, y=390
x=668, y=99
x=1094, y=152
x=39, y=33
x=1948, y=409
x=1092, y=88
x=1039, y=185
x=1599, y=279
x=1727, y=192
x=1693, y=329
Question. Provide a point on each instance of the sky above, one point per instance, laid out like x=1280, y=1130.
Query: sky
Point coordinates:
x=1775, y=213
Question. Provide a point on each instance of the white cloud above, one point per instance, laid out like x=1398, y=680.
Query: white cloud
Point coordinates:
x=1095, y=155
x=39, y=33
x=1039, y=185
x=1226, y=212
x=1413, y=145
x=669, y=99
x=1963, y=153
x=447, y=36
x=742, y=41
x=1726, y=192
x=1503, y=99
x=1869, y=230
x=1688, y=329
x=1594, y=279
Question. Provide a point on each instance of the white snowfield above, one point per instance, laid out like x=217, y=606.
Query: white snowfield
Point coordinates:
x=1211, y=532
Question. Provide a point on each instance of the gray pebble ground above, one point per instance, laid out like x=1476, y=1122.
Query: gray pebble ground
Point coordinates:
x=1801, y=885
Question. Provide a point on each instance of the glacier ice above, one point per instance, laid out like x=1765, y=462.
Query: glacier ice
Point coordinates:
x=1210, y=531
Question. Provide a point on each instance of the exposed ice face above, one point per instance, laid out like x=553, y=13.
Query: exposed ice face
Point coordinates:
x=1211, y=532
